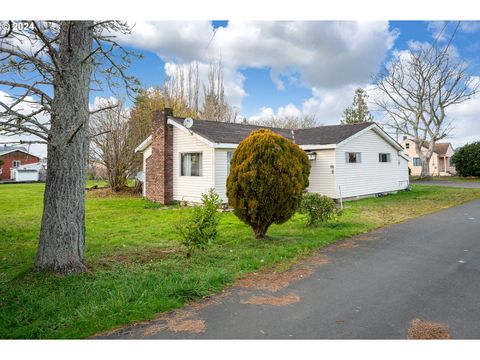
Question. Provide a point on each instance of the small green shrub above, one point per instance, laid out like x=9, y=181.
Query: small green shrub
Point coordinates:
x=200, y=228
x=318, y=208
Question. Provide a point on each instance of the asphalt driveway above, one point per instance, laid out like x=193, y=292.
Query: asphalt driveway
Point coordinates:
x=366, y=288
x=457, y=184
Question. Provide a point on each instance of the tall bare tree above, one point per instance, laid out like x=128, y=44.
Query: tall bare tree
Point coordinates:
x=186, y=94
x=287, y=122
x=215, y=106
x=50, y=67
x=182, y=89
x=110, y=143
x=416, y=90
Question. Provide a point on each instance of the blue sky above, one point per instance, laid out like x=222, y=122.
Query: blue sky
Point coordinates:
x=294, y=68
x=261, y=91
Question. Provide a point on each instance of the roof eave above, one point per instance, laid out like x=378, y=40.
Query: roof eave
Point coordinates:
x=144, y=145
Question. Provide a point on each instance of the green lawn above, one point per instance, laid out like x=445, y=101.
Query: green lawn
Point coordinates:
x=445, y=178
x=138, y=267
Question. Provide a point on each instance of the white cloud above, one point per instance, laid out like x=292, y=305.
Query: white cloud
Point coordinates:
x=465, y=121
x=289, y=111
x=443, y=30
x=181, y=41
x=324, y=54
x=438, y=30
x=328, y=105
x=265, y=113
x=470, y=27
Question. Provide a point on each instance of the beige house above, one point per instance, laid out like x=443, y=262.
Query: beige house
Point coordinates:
x=440, y=163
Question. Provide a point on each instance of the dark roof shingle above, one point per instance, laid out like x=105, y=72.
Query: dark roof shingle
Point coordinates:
x=233, y=133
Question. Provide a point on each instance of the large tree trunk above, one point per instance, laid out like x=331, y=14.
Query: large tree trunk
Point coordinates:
x=425, y=168
x=62, y=236
x=424, y=160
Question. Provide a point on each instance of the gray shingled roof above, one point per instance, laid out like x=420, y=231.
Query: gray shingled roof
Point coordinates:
x=6, y=149
x=233, y=133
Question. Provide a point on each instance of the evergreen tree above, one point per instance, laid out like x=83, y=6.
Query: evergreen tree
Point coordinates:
x=358, y=112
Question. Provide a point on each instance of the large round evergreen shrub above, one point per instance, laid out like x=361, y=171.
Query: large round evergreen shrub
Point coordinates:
x=467, y=160
x=268, y=174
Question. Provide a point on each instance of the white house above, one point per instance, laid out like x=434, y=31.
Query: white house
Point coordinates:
x=348, y=161
x=29, y=172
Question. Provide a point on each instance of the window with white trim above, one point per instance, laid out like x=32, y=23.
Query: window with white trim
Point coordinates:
x=191, y=164
x=353, y=157
x=407, y=145
x=229, y=158
x=416, y=161
x=15, y=163
x=384, y=157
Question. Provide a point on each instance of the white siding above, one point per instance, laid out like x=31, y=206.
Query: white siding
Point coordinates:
x=322, y=180
x=146, y=154
x=190, y=188
x=221, y=172
x=370, y=176
x=31, y=175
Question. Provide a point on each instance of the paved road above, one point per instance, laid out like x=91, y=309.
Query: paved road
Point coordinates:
x=370, y=288
x=457, y=184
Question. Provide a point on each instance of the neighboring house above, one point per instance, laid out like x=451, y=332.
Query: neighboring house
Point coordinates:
x=14, y=157
x=98, y=170
x=440, y=162
x=348, y=161
x=30, y=172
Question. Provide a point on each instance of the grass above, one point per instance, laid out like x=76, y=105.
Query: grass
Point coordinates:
x=138, y=267
x=445, y=178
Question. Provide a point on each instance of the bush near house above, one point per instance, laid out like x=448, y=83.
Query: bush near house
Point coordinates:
x=318, y=208
x=467, y=160
x=200, y=228
x=268, y=174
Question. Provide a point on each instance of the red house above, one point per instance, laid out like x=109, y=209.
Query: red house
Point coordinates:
x=14, y=156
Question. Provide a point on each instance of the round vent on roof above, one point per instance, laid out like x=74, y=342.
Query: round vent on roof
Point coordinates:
x=188, y=122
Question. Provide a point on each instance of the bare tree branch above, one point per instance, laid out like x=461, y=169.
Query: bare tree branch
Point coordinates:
x=417, y=89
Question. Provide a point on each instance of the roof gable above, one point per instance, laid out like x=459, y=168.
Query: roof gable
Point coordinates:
x=4, y=150
x=439, y=148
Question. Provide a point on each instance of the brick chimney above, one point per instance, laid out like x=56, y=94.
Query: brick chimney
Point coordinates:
x=159, y=166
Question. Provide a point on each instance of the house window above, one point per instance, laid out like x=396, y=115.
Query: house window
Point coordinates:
x=353, y=157
x=384, y=157
x=191, y=164
x=417, y=162
x=407, y=146
x=15, y=163
x=229, y=158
